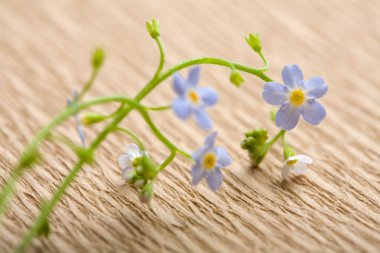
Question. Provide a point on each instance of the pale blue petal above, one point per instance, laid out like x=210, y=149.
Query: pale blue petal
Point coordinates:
x=179, y=84
x=224, y=158
x=202, y=118
x=197, y=174
x=292, y=76
x=198, y=154
x=313, y=112
x=208, y=95
x=210, y=141
x=214, y=179
x=275, y=93
x=181, y=107
x=316, y=87
x=193, y=77
x=287, y=116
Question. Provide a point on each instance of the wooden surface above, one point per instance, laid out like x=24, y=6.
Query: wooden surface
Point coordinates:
x=44, y=52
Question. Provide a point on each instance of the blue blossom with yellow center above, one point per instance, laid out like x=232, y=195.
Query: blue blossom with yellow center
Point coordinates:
x=297, y=97
x=209, y=161
x=193, y=100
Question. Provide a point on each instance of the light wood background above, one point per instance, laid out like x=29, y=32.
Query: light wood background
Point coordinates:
x=45, y=48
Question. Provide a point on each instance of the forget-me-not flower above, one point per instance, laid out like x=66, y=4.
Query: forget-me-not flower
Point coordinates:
x=193, y=100
x=297, y=163
x=209, y=161
x=80, y=131
x=297, y=97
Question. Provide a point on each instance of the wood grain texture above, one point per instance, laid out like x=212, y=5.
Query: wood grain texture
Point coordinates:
x=44, y=52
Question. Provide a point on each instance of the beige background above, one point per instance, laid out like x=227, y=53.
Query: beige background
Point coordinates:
x=45, y=48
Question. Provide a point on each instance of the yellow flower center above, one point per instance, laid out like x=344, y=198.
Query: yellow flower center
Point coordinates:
x=209, y=161
x=193, y=97
x=297, y=97
x=292, y=162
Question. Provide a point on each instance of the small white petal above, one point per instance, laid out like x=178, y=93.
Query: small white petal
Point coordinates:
x=301, y=158
x=124, y=161
x=300, y=168
x=285, y=171
x=133, y=150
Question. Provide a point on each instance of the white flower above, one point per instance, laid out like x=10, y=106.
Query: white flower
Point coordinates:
x=130, y=162
x=297, y=163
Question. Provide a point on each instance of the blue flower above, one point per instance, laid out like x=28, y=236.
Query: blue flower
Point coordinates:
x=209, y=161
x=297, y=97
x=193, y=100
x=80, y=131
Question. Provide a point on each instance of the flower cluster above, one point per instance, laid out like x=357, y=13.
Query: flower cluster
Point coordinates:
x=137, y=168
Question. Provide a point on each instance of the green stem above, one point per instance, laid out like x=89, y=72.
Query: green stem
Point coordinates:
x=167, y=161
x=7, y=189
x=89, y=83
x=280, y=134
x=132, y=135
x=159, y=108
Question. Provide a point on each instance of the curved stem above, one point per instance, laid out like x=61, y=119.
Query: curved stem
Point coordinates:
x=132, y=135
x=167, y=161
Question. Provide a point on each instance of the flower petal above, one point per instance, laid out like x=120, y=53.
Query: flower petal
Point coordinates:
x=275, y=93
x=197, y=154
x=224, y=158
x=302, y=158
x=316, y=87
x=133, y=150
x=193, y=77
x=124, y=161
x=313, y=112
x=181, y=107
x=287, y=116
x=202, y=118
x=208, y=95
x=179, y=84
x=214, y=179
x=197, y=174
x=292, y=76
x=285, y=171
x=128, y=173
x=210, y=141
x=300, y=168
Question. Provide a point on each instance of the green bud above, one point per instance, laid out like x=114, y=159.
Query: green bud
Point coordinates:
x=85, y=154
x=236, y=78
x=45, y=229
x=98, y=58
x=288, y=152
x=153, y=28
x=149, y=168
x=254, y=42
x=146, y=193
x=255, y=144
x=29, y=158
x=90, y=118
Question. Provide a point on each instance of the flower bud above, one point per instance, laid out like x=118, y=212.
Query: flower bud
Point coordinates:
x=91, y=118
x=146, y=193
x=149, y=169
x=153, y=28
x=254, y=42
x=288, y=152
x=236, y=78
x=97, y=58
x=255, y=144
